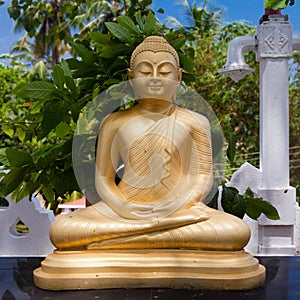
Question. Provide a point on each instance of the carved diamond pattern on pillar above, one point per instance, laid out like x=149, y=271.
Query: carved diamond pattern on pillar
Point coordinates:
x=276, y=41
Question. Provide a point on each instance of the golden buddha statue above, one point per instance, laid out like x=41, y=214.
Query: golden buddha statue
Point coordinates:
x=157, y=206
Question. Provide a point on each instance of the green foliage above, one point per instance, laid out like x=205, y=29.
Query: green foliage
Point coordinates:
x=54, y=100
x=50, y=23
x=42, y=161
x=13, y=157
x=295, y=124
x=36, y=90
x=276, y=4
x=39, y=123
x=232, y=202
x=235, y=104
x=11, y=107
x=231, y=149
x=238, y=205
x=201, y=19
x=257, y=206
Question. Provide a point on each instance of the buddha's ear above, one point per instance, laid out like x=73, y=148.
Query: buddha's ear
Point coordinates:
x=129, y=73
x=179, y=75
x=130, y=76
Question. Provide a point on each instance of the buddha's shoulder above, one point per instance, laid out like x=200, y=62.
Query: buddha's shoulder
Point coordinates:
x=192, y=118
x=117, y=118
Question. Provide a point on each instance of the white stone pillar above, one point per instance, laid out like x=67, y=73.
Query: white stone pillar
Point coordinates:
x=275, y=46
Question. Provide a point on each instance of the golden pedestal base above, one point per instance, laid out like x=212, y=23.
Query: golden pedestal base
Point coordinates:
x=182, y=269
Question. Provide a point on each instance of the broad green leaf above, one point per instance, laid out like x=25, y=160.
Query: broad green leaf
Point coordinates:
x=65, y=67
x=81, y=69
x=228, y=195
x=37, y=89
x=252, y=210
x=13, y=157
x=14, y=12
x=161, y=11
x=44, y=151
x=11, y=181
x=231, y=148
x=150, y=23
x=61, y=183
x=256, y=206
x=232, y=202
x=53, y=115
x=128, y=24
x=58, y=76
x=114, y=50
x=239, y=206
x=21, y=134
x=48, y=193
x=139, y=20
x=88, y=56
x=62, y=129
x=8, y=129
x=276, y=4
x=186, y=62
x=188, y=78
x=70, y=83
x=98, y=37
x=37, y=106
x=75, y=111
x=178, y=43
x=62, y=34
x=118, y=31
x=69, y=180
x=26, y=189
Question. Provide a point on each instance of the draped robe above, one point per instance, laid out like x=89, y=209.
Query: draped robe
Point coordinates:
x=167, y=162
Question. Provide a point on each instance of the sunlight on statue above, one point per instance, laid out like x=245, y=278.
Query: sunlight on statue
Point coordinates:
x=167, y=156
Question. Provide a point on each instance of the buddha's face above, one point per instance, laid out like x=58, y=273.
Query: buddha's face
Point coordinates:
x=155, y=75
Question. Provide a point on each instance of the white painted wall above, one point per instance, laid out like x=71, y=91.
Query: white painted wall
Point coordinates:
x=37, y=219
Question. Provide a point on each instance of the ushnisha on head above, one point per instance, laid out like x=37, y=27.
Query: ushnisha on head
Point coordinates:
x=154, y=44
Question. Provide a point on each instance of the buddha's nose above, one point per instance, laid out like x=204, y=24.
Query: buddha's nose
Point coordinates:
x=155, y=73
x=155, y=79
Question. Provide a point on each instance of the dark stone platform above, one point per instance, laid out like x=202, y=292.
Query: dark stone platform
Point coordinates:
x=282, y=283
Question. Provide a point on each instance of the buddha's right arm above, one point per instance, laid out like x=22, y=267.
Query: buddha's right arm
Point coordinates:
x=106, y=159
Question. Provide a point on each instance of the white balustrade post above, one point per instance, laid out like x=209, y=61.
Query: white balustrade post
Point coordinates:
x=275, y=46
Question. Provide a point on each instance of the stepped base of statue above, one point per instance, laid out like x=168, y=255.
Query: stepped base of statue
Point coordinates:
x=157, y=268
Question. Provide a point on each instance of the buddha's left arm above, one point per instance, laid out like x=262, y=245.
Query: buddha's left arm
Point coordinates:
x=201, y=166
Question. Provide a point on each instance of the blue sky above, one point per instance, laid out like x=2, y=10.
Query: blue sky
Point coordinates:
x=234, y=10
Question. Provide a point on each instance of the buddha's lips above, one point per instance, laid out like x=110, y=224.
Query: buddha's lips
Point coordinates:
x=155, y=87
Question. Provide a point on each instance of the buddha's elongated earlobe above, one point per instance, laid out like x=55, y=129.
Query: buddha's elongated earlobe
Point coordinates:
x=179, y=75
x=129, y=74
